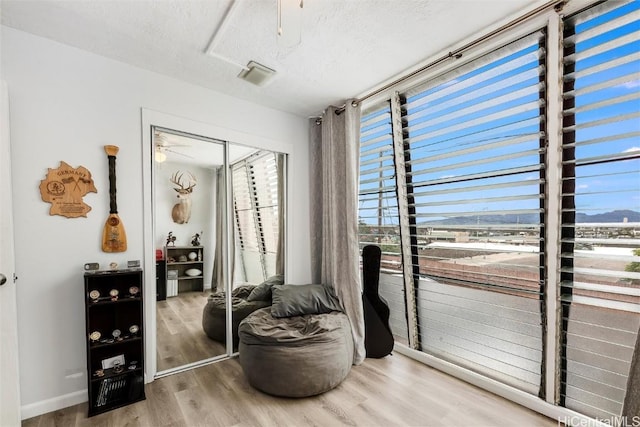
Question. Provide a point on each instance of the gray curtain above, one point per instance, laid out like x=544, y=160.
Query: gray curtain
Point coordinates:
x=281, y=232
x=334, y=168
x=631, y=407
x=217, y=281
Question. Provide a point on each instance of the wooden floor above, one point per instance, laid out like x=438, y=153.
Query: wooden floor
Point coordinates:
x=394, y=391
x=181, y=339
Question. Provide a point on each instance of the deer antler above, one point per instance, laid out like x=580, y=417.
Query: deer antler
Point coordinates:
x=192, y=181
x=177, y=180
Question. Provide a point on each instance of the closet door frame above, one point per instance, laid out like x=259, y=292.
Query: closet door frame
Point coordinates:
x=151, y=119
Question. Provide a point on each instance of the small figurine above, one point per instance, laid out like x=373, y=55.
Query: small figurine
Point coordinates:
x=171, y=239
x=195, y=239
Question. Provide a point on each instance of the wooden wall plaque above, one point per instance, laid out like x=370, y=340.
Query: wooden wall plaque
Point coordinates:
x=64, y=188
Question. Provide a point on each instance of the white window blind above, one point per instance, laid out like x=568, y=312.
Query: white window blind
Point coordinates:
x=476, y=144
x=600, y=266
x=264, y=173
x=378, y=209
x=378, y=205
x=243, y=206
x=255, y=198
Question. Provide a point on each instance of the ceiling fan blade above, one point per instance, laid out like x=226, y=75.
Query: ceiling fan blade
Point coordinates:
x=164, y=144
x=162, y=141
x=177, y=152
x=289, y=23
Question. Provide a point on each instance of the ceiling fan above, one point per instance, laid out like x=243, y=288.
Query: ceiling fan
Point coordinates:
x=289, y=22
x=164, y=145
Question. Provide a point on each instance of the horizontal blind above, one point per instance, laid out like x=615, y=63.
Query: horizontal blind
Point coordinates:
x=476, y=143
x=255, y=199
x=243, y=207
x=600, y=265
x=378, y=210
x=264, y=175
x=377, y=197
x=475, y=140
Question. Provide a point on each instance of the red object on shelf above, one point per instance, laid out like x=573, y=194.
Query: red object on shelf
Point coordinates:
x=159, y=254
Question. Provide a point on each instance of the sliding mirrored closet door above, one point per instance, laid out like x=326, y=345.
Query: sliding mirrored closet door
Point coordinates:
x=196, y=181
x=189, y=202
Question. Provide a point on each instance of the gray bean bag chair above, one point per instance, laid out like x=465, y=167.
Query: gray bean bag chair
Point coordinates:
x=214, y=317
x=245, y=300
x=295, y=356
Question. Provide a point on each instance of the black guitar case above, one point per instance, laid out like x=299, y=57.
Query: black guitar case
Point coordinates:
x=378, y=339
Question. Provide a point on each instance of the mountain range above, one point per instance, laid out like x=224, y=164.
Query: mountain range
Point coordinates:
x=613, y=217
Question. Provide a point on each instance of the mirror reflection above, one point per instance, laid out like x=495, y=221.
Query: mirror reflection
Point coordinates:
x=190, y=231
x=256, y=183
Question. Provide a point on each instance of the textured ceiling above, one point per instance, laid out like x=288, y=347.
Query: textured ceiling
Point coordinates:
x=347, y=46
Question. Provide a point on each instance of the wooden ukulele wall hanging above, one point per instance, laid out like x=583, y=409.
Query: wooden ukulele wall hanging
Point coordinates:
x=64, y=188
x=114, y=238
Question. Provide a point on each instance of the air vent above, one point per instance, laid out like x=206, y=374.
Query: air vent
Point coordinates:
x=257, y=74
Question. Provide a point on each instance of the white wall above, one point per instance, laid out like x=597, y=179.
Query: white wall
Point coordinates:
x=66, y=104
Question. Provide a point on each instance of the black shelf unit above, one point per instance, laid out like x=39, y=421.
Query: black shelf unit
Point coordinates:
x=161, y=280
x=114, y=328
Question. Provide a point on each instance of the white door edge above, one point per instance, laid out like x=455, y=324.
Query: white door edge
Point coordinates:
x=10, y=381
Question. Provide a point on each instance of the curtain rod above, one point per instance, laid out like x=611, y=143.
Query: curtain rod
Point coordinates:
x=457, y=53
x=338, y=110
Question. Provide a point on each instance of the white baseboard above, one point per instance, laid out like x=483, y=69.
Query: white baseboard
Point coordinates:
x=44, y=406
x=557, y=413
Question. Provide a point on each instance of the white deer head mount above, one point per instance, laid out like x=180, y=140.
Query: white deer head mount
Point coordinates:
x=181, y=211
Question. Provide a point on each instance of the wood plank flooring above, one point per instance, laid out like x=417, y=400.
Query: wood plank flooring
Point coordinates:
x=394, y=391
x=180, y=338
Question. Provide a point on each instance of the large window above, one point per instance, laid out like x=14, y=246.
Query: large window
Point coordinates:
x=475, y=141
x=476, y=155
x=378, y=206
x=379, y=223
x=601, y=206
x=475, y=138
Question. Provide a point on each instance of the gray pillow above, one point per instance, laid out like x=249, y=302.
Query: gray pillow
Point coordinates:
x=298, y=300
x=262, y=292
